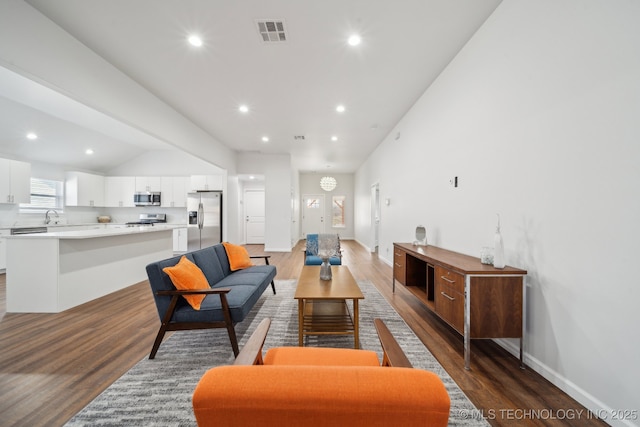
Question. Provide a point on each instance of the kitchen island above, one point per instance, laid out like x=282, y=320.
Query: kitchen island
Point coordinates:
x=52, y=272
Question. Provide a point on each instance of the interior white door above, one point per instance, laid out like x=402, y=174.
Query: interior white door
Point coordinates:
x=312, y=214
x=254, y=210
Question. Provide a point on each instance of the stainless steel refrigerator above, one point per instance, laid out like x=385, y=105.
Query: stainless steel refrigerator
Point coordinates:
x=204, y=210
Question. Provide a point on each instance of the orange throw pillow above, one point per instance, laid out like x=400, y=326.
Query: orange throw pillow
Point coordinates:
x=185, y=275
x=238, y=256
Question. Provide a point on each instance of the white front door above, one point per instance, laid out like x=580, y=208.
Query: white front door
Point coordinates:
x=312, y=214
x=254, y=216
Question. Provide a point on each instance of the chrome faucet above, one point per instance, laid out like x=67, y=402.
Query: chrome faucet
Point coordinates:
x=47, y=218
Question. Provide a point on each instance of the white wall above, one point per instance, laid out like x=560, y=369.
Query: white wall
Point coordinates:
x=310, y=184
x=279, y=191
x=538, y=117
x=233, y=231
x=295, y=206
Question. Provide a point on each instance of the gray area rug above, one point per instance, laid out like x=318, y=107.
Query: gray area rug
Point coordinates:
x=158, y=392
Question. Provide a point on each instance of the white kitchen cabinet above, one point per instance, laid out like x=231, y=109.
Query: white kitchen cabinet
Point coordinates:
x=83, y=189
x=15, y=181
x=179, y=240
x=119, y=190
x=206, y=182
x=174, y=191
x=148, y=183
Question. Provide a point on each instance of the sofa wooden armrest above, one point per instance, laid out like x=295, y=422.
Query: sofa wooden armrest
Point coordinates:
x=391, y=350
x=251, y=353
x=206, y=291
x=265, y=257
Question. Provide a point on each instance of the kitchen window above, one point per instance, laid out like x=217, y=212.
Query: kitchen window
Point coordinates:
x=45, y=194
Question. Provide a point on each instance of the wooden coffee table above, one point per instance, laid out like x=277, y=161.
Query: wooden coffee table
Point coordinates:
x=322, y=305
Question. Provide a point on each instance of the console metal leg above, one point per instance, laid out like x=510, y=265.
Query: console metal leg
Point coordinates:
x=524, y=321
x=467, y=323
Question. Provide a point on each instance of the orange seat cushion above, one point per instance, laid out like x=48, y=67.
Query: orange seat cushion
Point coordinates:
x=275, y=396
x=318, y=356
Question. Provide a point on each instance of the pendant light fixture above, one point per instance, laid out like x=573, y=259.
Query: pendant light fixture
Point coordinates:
x=328, y=183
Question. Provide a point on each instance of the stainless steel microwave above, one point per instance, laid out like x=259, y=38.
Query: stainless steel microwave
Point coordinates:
x=147, y=198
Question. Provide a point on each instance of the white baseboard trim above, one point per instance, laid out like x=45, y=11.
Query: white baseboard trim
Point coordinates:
x=596, y=406
x=277, y=249
x=363, y=245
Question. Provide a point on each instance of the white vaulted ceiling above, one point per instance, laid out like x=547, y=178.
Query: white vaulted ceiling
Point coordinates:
x=291, y=87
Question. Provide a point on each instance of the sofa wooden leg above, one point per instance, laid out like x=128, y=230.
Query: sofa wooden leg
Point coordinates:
x=157, y=342
x=230, y=329
x=234, y=340
x=163, y=327
x=273, y=286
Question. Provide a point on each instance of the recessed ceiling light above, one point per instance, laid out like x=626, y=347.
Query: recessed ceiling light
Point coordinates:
x=243, y=109
x=195, y=40
x=334, y=138
x=265, y=139
x=340, y=108
x=354, y=40
x=32, y=135
x=89, y=151
x=252, y=177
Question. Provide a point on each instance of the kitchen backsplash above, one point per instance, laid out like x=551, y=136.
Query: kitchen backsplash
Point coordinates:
x=10, y=215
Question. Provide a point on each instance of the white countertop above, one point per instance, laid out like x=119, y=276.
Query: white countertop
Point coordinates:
x=97, y=232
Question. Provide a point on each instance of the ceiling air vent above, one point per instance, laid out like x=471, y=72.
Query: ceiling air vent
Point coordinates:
x=272, y=30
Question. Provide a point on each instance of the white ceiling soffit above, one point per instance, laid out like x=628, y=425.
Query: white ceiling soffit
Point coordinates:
x=34, y=95
x=65, y=129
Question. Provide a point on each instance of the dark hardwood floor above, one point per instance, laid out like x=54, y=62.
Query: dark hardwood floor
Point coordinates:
x=52, y=365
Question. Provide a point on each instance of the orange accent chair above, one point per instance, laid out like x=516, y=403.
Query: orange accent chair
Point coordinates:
x=320, y=387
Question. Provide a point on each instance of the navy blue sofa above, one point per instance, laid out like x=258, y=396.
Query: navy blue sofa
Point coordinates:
x=230, y=299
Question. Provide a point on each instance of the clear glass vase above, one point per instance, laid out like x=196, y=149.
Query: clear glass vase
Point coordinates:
x=325, y=269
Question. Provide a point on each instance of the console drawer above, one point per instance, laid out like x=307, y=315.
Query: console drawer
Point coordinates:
x=449, y=278
x=450, y=306
x=399, y=265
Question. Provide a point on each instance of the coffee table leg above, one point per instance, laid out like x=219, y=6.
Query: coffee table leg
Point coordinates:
x=356, y=324
x=300, y=321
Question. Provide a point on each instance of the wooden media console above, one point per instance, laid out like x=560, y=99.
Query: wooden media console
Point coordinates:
x=475, y=299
